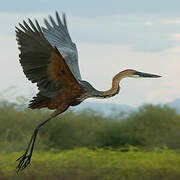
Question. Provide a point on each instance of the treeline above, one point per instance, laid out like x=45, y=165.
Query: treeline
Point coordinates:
x=151, y=126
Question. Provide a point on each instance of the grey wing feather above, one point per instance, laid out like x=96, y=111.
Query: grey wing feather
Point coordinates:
x=34, y=57
x=57, y=34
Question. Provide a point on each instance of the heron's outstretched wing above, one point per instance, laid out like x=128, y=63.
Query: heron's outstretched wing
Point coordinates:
x=42, y=63
x=57, y=34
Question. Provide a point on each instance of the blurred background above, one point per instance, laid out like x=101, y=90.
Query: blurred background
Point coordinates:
x=134, y=135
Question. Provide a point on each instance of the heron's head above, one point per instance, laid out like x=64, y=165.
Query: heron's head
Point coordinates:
x=138, y=74
x=123, y=74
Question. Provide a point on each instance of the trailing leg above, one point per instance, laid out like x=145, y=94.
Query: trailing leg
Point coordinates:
x=25, y=159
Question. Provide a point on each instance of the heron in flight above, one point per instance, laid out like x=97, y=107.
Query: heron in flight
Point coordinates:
x=49, y=58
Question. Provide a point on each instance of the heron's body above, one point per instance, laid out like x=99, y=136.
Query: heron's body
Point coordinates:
x=50, y=59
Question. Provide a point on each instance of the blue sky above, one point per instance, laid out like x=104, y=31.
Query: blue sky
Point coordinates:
x=114, y=35
x=93, y=7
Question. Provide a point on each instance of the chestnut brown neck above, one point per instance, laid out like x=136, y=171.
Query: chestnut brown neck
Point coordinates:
x=115, y=82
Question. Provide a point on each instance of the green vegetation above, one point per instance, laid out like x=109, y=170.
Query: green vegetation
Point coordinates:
x=100, y=164
x=151, y=126
x=138, y=145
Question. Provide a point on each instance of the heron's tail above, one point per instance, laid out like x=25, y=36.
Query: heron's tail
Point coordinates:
x=39, y=102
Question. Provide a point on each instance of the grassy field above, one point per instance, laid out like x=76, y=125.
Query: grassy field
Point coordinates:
x=86, y=164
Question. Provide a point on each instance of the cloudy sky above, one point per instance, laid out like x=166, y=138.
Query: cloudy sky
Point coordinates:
x=111, y=36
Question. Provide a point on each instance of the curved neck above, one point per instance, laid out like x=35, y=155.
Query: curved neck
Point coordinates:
x=115, y=84
x=92, y=92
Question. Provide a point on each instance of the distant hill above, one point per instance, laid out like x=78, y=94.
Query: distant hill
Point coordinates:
x=107, y=108
x=175, y=104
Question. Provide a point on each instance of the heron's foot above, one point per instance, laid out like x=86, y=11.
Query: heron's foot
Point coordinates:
x=24, y=161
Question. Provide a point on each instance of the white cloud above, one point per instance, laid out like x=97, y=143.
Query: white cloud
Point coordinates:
x=148, y=23
x=142, y=32
x=100, y=62
x=105, y=61
x=171, y=21
x=175, y=36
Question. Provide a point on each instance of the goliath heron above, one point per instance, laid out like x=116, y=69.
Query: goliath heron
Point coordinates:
x=49, y=58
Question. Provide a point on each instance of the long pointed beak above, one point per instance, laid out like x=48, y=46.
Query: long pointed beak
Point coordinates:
x=146, y=75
